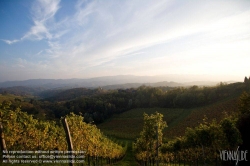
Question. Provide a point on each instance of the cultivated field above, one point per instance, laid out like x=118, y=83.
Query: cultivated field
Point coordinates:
x=129, y=124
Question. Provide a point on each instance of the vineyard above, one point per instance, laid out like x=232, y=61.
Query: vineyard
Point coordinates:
x=199, y=145
x=214, y=111
x=23, y=132
x=194, y=137
x=130, y=123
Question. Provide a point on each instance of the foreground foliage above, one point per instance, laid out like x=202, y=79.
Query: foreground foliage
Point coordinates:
x=23, y=132
x=203, y=143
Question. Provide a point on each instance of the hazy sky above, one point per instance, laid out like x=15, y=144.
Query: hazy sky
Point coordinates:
x=88, y=38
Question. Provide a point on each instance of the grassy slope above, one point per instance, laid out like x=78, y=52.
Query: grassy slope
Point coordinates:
x=129, y=124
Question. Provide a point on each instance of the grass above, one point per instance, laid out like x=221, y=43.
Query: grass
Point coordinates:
x=129, y=159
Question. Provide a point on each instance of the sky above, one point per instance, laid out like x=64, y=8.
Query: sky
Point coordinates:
x=60, y=39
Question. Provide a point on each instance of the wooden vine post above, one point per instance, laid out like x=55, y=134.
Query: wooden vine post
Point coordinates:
x=3, y=145
x=69, y=140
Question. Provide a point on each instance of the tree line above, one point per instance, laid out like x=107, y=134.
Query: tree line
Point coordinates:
x=101, y=104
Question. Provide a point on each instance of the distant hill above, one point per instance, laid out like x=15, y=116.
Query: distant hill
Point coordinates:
x=136, y=85
x=159, y=84
x=110, y=81
x=68, y=94
x=53, y=88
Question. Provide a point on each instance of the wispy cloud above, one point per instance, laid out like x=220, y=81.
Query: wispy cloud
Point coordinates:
x=10, y=41
x=43, y=11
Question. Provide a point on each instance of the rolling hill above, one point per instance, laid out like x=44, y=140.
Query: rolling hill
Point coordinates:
x=111, y=81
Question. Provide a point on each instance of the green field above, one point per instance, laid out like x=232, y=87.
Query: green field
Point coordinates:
x=129, y=124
